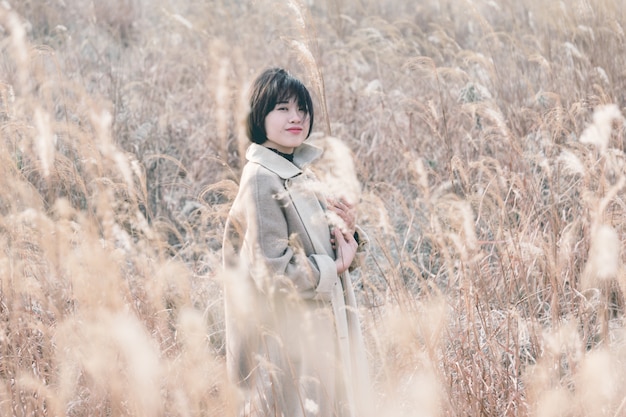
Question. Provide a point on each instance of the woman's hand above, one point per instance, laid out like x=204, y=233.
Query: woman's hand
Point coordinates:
x=346, y=212
x=345, y=249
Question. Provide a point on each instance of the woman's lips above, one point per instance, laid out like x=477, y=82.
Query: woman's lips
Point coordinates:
x=295, y=129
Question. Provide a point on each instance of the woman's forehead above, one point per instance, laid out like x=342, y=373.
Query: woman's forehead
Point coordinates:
x=289, y=99
x=291, y=95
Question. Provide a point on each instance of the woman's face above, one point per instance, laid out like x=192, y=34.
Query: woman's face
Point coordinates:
x=286, y=126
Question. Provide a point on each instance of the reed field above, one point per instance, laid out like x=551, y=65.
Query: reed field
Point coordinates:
x=485, y=141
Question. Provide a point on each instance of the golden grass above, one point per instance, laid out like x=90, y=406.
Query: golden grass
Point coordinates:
x=488, y=139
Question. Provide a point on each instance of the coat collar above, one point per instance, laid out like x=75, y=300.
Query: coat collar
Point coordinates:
x=303, y=155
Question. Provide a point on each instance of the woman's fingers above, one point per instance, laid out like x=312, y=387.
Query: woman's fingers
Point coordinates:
x=345, y=250
x=345, y=211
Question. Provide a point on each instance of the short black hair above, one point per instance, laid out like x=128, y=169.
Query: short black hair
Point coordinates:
x=272, y=86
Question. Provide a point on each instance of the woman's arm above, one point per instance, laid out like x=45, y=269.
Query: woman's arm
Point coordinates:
x=277, y=260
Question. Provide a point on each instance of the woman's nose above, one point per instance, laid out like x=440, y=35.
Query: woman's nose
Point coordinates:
x=295, y=116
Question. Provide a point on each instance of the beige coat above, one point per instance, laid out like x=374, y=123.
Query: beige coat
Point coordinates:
x=293, y=336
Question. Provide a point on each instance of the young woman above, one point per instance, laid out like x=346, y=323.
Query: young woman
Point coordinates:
x=293, y=338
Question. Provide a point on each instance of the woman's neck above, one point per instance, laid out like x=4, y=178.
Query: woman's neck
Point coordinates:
x=287, y=156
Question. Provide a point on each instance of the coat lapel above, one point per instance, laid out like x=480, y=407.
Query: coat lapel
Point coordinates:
x=305, y=201
x=311, y=214
x=303, y=155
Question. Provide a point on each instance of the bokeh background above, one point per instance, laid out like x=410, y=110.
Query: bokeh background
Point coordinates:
x=485, y=141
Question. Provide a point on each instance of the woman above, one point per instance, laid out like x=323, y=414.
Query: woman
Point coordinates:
x=293, y=338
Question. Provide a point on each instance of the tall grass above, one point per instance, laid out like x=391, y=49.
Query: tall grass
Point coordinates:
x=488, y=140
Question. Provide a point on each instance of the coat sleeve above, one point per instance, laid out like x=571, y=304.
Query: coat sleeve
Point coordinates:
x=363, y=241
x=277, y=261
